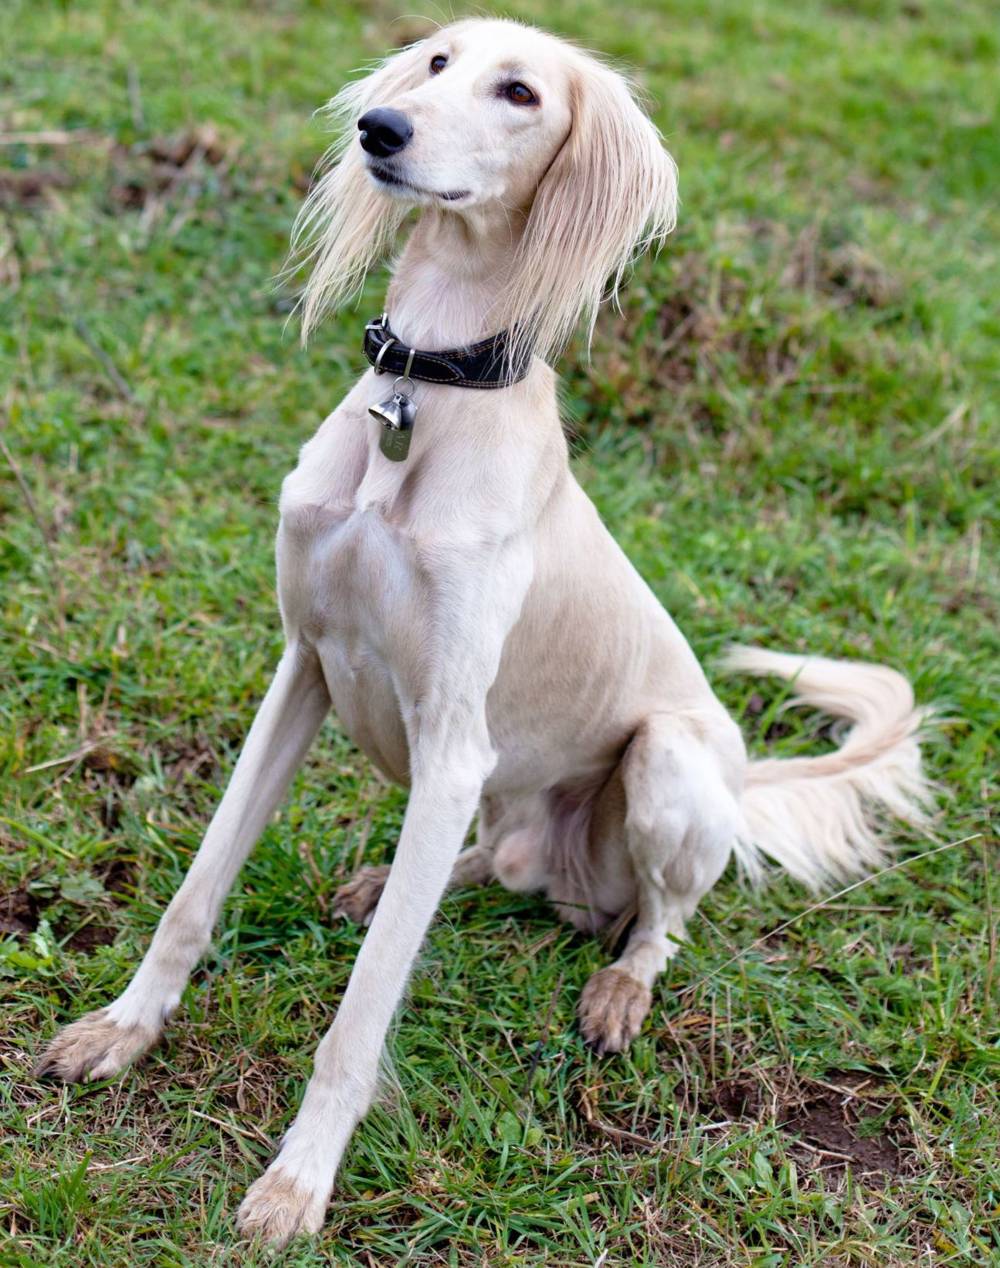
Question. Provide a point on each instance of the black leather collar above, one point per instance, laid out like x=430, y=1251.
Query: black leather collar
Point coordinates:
x=483, y=364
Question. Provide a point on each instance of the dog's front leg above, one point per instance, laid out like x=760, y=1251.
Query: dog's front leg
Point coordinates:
x=451, y=758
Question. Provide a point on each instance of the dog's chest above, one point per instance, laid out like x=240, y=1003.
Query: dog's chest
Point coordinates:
x=347, y=573
x=349, y=587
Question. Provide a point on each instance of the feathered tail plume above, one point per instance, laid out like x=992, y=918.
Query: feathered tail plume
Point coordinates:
x=819, y=817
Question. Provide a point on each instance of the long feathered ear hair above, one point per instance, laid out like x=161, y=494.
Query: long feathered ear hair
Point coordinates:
x=345, y=225
x=609, y=194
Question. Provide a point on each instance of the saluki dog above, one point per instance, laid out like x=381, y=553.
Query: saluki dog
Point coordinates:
x=450, y=591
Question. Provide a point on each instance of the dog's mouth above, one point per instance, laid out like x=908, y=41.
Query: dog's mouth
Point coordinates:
x=386, y=176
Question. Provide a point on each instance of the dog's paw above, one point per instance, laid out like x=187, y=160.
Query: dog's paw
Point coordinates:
x=612, y=1009
x=277, y=1208
x=95, y=1047
x=358, y=899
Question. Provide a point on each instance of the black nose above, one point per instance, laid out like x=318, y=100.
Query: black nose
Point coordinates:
x=384, y=132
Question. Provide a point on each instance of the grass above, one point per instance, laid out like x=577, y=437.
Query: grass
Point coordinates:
x=792, y=429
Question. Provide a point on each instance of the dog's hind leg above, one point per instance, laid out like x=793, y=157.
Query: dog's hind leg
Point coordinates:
x=104, y=1042
x=681, y=820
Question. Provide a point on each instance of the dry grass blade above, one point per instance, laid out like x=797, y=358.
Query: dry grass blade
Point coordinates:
x=824, y=902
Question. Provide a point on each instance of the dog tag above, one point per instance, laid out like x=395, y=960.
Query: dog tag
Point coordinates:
x=396, y=414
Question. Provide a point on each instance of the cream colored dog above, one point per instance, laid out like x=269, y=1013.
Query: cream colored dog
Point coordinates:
x=470, y=619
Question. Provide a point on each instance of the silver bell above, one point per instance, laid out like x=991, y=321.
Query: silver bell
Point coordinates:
x=396, y=414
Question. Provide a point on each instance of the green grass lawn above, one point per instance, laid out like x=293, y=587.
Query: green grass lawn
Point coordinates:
x=792, y=429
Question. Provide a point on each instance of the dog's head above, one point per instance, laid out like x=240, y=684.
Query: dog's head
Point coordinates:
x=494, y=116
x=475, y=116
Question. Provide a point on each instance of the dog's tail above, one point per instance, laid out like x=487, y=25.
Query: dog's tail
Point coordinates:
x=819, y=817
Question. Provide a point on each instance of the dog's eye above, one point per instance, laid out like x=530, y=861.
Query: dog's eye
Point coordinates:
x=519, y=94
x=438, y=63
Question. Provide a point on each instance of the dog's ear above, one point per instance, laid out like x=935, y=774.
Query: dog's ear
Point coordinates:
x=345, y=224
x=610, y=193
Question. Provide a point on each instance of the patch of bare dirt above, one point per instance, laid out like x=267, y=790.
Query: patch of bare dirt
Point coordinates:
x=828, y=1123
x=88, y=937
x=844, y=1121
x=109, y=774
x=148, y=173
x=104, y=765
x=255, y=1087
x=176, y=151
x=78, y=905
x=739, y=1098
x=118, y=879
x=194, y=757
x=845, y=270
x=27, y=186
x=18, y=913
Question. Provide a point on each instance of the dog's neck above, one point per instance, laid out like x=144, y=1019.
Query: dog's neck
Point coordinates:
x=445, y=288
